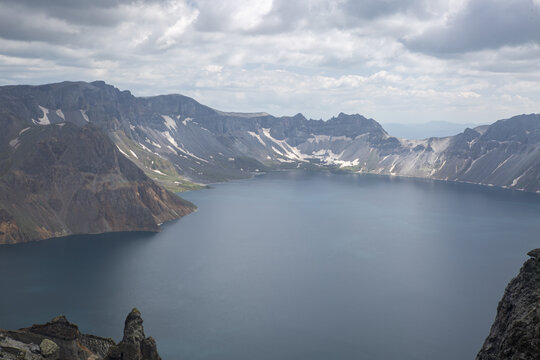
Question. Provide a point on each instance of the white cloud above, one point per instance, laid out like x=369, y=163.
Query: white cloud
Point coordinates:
x=312, y=56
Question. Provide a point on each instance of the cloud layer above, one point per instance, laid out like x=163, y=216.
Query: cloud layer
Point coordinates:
x=393, y=60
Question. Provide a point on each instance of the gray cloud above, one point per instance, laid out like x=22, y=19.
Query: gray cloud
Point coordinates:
x=482, y=24
x=373, y=8
x=319, y=57
x=91, y=13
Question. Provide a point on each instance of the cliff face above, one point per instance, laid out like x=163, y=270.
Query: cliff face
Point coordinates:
x=64, y=179
x=170, y=136
x=60, y=339
x=515, y=334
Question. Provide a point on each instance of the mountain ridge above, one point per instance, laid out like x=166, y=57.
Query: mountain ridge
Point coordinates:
x=175, y=139
x=63, y=179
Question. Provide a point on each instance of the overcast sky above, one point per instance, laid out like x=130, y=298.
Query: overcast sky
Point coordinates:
x=413, y=61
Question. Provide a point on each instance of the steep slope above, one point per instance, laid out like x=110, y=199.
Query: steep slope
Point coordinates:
x=173, y=138
x=515, y=334
x=62, y=179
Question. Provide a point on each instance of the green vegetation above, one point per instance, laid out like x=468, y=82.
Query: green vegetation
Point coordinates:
x=154, y=166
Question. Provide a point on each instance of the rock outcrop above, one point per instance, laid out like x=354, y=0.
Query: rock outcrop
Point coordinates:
x=61, y=340
x=134, y=345
x=515, y=334
x=64, y=179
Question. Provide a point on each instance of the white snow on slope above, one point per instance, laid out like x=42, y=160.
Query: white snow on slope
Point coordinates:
x=169, y=138
x=170, y=123
x=85, y=117
x=291, y=152
x=158, y=172
x=44, y=120
x=60, y=114
x=153, y=143
x=123, y=153
x=277, y=151
x=191, y=154
x=516, y=180
x=328, y=157
x=186, y=120
x=256, y=136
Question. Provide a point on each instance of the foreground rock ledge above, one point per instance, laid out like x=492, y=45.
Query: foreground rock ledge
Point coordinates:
x=515, y=334
x=59, y=339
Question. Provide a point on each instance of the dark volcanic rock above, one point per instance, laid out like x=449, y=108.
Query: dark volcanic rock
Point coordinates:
x=135, y=345
x=61, y=340
x=57, y=339
x=515, y=334
x=59, y=328
x=64, y=179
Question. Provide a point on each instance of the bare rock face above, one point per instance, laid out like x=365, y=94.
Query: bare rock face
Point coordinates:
x=64, y=180
x=515, y=334
x=59, y=339
x=135, y=345
x=176, y=134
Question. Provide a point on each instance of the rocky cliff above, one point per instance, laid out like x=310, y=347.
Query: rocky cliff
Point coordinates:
x=60, y=339
x=64, y=179
x=174, y=138
x=70, y=155
x=515, y=334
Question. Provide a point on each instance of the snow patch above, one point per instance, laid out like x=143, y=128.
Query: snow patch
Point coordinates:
x=291, y=152
x=60, y=114
x=277, y=151
x=516, y=180
x=132, y=153
x=158, y=172
x=85, y=117
x=154, y=143
x=330, y=158
x=44, y=120
x=169, y=138
x=256, y=136
x=186, y=120
x=23, y=130
x=144, y=147
x=190, y=154
x=170, y=123
x=123, y=153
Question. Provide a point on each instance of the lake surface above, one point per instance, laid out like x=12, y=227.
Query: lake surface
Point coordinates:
x=292, y=265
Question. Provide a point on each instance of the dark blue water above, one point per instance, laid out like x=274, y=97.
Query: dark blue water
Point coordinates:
x=292, y=266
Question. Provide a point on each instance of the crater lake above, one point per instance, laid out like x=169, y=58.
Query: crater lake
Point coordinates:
x=292, y=265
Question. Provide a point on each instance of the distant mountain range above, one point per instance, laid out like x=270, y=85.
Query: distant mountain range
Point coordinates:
x=426, y=130
x=83, y=128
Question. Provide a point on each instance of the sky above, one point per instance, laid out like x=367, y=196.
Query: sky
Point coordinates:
x=398, y=61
